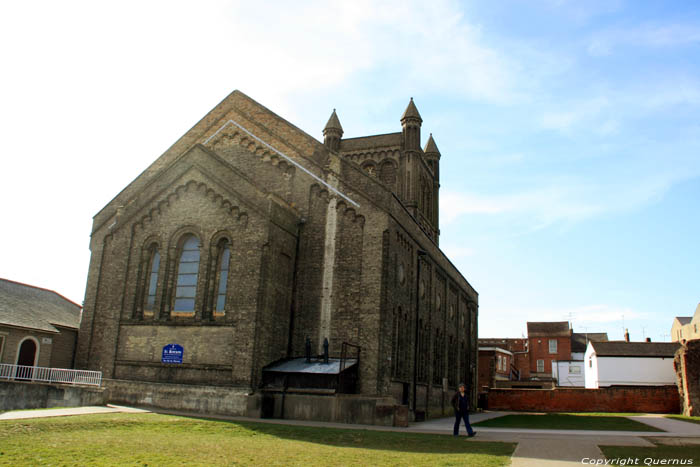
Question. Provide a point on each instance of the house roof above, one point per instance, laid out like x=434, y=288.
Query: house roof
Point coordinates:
x=635, y=349
x=683, y=320
x=579, y=341
x=548, y=328
x=27, y=306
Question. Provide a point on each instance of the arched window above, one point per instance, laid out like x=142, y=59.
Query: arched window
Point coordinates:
x=224, y=260
x=187, y=272
x=151, y=282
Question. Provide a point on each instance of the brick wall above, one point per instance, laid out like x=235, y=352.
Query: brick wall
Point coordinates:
x=644, y=399
x=539, y=350
x=687, y=366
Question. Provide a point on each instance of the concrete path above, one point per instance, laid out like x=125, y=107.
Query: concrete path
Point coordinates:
x=42, y=413
x=535, y=448
x=672, y=425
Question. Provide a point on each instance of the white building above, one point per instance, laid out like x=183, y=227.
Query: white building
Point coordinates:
x=629, y=364
x=568, y=373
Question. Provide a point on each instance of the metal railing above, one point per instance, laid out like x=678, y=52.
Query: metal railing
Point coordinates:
x=50, y=375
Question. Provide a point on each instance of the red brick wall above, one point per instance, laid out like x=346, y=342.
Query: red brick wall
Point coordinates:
x=485, y=368
x=522, y=363
x=539, y=350
x=645, y=399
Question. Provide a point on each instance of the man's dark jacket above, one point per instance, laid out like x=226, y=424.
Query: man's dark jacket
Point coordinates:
x=464, y=402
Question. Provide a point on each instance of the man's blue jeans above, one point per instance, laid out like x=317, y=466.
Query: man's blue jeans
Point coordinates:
x=459, y=416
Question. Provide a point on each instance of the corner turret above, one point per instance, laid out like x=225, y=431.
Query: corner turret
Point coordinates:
x=411, y=122
x=432, y=157
x=332, y=133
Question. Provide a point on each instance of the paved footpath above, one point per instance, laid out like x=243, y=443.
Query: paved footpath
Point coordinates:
x=535, y=448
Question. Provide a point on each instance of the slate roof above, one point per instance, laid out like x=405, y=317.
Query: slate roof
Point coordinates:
x=579, y=341
x=370, y=142
x=548, y=328
x=635, y=349
x=26, y=306
x=683, y=320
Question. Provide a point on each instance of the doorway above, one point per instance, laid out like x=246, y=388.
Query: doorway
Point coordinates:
x=26, y=357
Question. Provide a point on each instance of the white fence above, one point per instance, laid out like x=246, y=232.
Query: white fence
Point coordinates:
x=50, y=375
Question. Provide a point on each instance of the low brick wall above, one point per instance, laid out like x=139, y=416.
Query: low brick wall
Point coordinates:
x=19, y=395
x=191, y=398
x=643, y=399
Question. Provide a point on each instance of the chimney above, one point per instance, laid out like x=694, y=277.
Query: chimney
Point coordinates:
x=627, y=335
x=648, y=339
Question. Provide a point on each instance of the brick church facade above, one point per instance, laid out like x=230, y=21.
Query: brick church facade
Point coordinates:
x=249, y=238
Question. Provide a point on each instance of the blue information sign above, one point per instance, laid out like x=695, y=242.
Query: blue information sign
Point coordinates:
x=172, y=353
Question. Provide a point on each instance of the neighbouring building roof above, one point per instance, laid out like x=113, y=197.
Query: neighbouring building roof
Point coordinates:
x=548, y=328
x=579, y=341
x=27, y=306
x=683, y=320
x=495, y=349
x=635, y=349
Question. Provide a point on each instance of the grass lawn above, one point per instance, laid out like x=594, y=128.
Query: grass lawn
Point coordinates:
x=655, y=455
x=154, y=439
x=684, y=418
x=566, y=422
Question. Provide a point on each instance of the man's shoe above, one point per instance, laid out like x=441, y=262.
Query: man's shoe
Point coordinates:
x=472, y=435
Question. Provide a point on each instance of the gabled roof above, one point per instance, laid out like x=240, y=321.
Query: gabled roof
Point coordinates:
x=696, y=315
x=635, y=349
x=26, y=306
x=244, y=110
x=579, y=341
x=548, y=329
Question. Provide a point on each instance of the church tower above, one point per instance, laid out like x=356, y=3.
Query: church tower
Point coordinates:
x=332, y=133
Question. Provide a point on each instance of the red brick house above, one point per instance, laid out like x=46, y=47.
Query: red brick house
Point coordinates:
x=495, y=364
x=547, y=342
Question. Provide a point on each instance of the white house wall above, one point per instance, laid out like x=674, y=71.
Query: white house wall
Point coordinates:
x=562, y=371
x=648, y=371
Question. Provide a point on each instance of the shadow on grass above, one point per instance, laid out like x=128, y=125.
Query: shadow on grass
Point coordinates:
x=567, y=422
x=373, y=439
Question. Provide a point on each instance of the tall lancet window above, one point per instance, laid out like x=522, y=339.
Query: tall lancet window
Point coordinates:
x=224, y=260
x=152, y=282
x=187, y=272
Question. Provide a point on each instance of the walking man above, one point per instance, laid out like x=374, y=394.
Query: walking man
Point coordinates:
x=460, y=402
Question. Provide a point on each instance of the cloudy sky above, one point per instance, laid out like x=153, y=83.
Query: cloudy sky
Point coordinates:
x=569, y=131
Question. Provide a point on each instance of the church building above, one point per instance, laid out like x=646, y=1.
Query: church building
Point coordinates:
x=254, y=270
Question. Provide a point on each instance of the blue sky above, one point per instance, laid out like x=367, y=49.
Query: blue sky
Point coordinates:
x=569, y=131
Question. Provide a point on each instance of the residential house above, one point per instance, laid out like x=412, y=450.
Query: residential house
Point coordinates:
x=495, y=364
x=622, y=363
x=38, y=327
x=686, y=328
x=547, y=342
x=571, y=372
